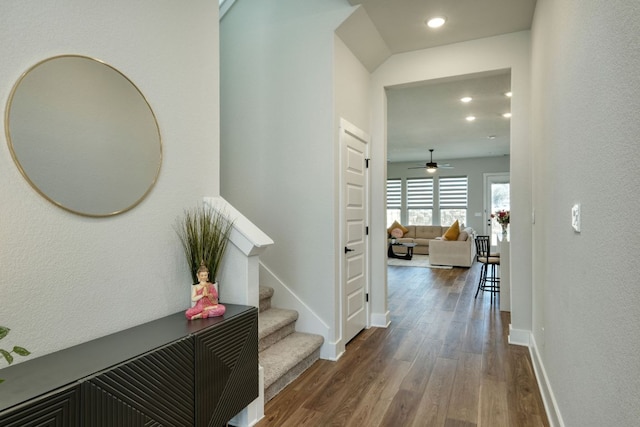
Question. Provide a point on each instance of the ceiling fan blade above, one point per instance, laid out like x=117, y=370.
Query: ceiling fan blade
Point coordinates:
x=418, y=167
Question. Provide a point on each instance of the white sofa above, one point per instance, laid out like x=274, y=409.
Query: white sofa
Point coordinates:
x=428, y=240
x=456, y=253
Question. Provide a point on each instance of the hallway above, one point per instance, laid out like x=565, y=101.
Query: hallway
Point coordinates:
x=443, y=361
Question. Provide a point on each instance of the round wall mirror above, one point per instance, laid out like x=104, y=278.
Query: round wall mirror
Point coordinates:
x=83, y=135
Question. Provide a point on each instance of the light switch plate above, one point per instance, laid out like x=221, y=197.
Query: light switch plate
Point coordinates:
x=575, y=217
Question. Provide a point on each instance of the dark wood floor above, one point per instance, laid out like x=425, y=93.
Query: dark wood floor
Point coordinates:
x=443, y=361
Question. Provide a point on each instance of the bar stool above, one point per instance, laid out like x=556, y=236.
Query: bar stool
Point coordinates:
x=488, y=282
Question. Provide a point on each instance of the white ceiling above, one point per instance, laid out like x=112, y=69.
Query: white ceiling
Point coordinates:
x=429, y=114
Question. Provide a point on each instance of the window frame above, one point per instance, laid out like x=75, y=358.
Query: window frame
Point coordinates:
x=394, y=196
x=453, y=195
x=419, y=196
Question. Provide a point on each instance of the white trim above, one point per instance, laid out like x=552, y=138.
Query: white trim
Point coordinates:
x=548, y=398
x=246, y=235
x=347, y=128
x=332, y=351
x=225, y=5
x=519, y=336
x=381, y=320
x=308, y=321
x=487, y=178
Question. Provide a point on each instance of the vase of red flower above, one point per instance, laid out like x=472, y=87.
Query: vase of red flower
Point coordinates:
x=502, y=217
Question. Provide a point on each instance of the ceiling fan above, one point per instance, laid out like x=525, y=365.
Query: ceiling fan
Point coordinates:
x=432, y=166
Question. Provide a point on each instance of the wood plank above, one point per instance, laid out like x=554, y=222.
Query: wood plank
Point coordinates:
x=493, y=403
x=302, y=417
x=374, y=403
x=457, y=423
x=395, y=376
x=420, y=372
x=453, y=340
x=433, y=407
x=440, y=325
x=450, y=302
x=409, y=347
x=402, y=409
x=473, y=341
x=466, y=388
x=523, y=392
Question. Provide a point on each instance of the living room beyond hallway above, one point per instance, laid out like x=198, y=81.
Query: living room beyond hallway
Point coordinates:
x=443, y=361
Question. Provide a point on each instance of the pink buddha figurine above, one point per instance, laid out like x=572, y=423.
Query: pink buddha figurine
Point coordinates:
x=205, y=295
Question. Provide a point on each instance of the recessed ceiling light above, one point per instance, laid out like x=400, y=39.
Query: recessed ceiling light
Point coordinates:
x=436, y=22
x=470, y=118
x=491, y=137
x=507, y=115
x=466, y=99
x=507, y=94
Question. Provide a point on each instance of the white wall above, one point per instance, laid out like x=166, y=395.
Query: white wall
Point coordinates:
x=351, y=88
x=586, y=298
x=509, y=51
x=66, y=278
x=351, y=103
x=473, y=168
x=278, y=152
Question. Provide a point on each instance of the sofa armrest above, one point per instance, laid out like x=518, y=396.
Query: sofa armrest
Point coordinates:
x=452, y=252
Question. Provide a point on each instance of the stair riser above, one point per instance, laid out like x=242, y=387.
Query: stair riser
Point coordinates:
x=282, y=349
x=275, y=388
x=276, y=336
x=265, y=304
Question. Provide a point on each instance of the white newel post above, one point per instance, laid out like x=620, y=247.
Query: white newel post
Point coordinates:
x=238, y=283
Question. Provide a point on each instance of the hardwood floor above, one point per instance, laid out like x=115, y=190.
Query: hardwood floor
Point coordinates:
x=443, y=361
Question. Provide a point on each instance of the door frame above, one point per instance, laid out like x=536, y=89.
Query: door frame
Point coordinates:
x=350, y=129
x=488, y=179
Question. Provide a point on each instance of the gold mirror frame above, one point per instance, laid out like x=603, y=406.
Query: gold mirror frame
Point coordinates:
x=83, y=135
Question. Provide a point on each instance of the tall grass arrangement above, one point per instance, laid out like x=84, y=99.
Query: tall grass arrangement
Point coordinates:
x=204, y=233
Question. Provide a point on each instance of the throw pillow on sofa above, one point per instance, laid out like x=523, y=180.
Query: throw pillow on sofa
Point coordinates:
x=453, y=232
x=463, y=236
x=396, y=224
x=396, y=233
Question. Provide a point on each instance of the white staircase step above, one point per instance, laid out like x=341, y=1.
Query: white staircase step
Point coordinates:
x=286, y=359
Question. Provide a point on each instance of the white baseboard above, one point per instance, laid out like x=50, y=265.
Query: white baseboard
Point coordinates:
x=380, y=320
x=548, y=398
x=519, y=336
x=332, y=350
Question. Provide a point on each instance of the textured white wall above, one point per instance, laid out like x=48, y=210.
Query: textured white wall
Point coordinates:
x=278, y=150
x=585, y=128
x=351, y=87
x=65, y=278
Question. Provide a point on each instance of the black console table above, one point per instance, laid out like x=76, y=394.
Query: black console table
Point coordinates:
x=169, y=372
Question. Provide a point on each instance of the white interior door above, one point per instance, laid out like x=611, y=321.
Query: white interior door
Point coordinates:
x=497, y=191
x=354, y=266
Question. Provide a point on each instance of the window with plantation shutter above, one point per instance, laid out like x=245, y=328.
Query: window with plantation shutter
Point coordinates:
x=394, y=200
x=420, y=201
x=452, y=200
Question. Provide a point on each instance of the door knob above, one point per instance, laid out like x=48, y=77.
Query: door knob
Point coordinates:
x=346, y=249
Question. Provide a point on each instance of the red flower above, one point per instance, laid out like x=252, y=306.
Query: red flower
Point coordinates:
x=502, y=216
